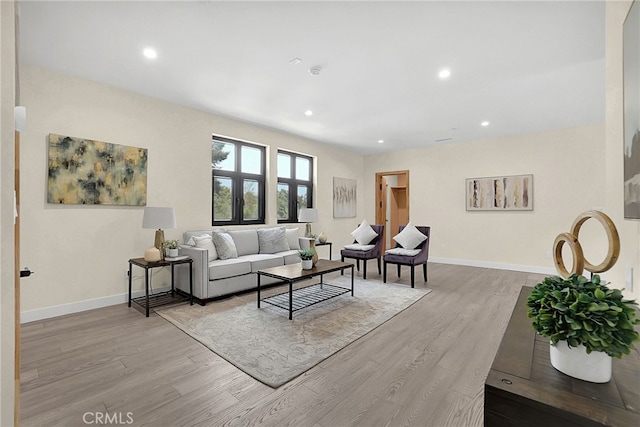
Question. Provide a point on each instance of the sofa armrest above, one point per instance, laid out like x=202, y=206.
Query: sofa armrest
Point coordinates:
x=200, y=268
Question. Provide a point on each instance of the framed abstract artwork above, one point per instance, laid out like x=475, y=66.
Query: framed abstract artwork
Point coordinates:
x=631, y=157
x=86, y=172
x=500, y=193
x=344, y=197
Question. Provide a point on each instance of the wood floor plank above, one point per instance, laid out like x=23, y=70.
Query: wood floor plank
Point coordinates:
x=424, y=367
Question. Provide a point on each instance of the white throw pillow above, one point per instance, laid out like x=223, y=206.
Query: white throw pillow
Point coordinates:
x=205, y=242
x=364, y=233
x=292, y=237
x=225, y=245
x=410, y=237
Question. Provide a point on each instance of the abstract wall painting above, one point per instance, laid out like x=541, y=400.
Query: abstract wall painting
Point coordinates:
x=631, y=54
x=502, y=193
x=86, y=172
x=344, y=197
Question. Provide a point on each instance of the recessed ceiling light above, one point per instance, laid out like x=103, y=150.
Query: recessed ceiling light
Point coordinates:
x=444, y=73
x=308, y=113
x=380, y=141
x=150, y=53
x=485, y=123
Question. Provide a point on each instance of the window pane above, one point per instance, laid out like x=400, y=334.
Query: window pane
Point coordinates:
x=223, y=156
x=302, y=197
x=250, y=194
x=303, y=168
x=284, y=166
x=251, y=160
x=283, y=201
x=222, y=199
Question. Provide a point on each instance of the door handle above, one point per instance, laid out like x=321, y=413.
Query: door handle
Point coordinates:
x=26, y=272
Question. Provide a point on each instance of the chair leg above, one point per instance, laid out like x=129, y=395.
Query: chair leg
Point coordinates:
x=424, y=271
x=398, y=271
x=358, y=264
x=384, y=274
x=342, y=260
x=364, y=269
x=412, y=275
x=379, y=272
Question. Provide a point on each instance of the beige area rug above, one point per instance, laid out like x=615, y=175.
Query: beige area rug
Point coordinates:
x=265, y=344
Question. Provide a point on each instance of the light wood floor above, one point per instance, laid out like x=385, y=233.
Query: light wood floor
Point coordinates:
x=425, y=367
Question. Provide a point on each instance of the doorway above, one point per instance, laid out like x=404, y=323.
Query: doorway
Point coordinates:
x=392, y=202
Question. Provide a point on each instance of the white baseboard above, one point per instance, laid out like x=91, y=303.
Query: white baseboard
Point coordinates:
x=495, y=265
x=76, y=307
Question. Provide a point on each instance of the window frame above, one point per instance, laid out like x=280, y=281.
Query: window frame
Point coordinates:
x=293, y=184
x=238, y=178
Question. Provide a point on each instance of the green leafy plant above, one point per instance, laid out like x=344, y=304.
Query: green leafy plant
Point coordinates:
x=584, y=312
x=170, y=244
x=306, y=254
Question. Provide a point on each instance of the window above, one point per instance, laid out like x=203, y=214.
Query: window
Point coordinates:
x=295, y=185
x=238, y=173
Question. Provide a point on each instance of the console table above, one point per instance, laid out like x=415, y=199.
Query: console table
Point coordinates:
x=523, y=389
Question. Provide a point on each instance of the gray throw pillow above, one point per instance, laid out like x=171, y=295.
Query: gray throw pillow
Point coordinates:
x=272, y=240
x=224, y=245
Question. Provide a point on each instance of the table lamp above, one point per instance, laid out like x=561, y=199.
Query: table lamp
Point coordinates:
x=158, y=218
x=308, y=215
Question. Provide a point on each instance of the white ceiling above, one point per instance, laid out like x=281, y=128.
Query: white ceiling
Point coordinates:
x=522, y=66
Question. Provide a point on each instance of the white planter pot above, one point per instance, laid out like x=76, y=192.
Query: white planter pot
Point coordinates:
x=575, y=362
x=172, y=252
x=307, y=264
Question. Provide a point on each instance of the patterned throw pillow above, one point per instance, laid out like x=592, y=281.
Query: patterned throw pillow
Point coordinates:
x=225, y=246
x=272, y=240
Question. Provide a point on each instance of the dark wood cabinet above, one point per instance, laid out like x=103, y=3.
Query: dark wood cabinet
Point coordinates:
x=523, y=389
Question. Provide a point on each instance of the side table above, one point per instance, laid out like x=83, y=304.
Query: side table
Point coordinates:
x=325, y=244
x=160, y=298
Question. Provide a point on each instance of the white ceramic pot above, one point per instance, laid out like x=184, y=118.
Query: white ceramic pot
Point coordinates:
x=172, y=252
x=307, y=264
x=575, y=362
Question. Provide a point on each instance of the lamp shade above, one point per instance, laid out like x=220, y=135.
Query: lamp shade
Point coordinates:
x=158, y=218
x=308, y=215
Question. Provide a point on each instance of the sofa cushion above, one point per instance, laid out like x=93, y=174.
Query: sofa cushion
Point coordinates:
x=292, y=238
x=359, y=247
x=262, y=261
x=246, y=241
x=225, y=245
x=290, y=257
x=220, y=268
x=364, y=233
x=410, y=237
x=272, y=240
x=205, y=242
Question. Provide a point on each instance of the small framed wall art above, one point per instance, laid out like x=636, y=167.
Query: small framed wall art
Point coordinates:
x=500, y=193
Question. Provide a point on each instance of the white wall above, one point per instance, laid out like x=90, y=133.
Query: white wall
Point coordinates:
x=629, y=229
x=562, y=188
x=7, y=155
x=80, y=253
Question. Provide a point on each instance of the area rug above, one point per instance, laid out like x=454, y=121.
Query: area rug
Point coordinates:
x=265, y=344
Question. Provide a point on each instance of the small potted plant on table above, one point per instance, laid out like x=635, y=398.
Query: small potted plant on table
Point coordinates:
x=306, y=255
x=587, y=324
x=171, y=247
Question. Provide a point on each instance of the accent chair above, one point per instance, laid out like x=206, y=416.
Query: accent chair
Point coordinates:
x=397, y=257
x=375, y=252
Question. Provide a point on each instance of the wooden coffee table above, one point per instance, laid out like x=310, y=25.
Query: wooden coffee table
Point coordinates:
x=297, y=299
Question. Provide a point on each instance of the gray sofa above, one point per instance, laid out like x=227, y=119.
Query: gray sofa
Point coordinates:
x=221, y=277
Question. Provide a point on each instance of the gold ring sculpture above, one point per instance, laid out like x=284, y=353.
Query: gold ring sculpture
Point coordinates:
x=579, y=261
